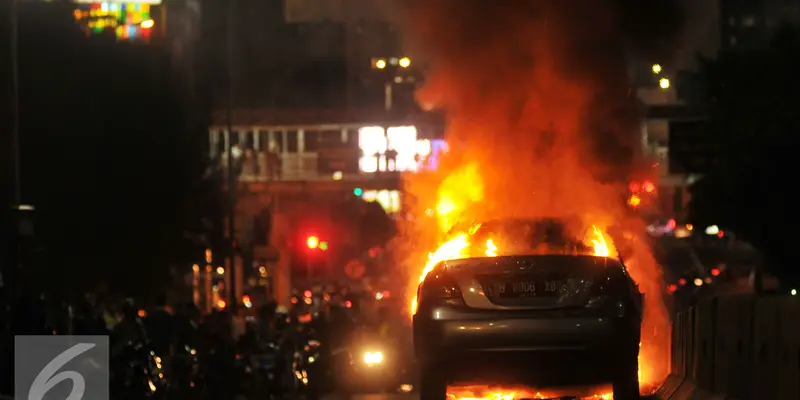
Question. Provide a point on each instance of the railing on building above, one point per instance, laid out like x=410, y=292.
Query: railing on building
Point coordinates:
x=285, y=153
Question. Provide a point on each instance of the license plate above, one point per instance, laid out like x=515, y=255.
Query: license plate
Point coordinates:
x=525, y=288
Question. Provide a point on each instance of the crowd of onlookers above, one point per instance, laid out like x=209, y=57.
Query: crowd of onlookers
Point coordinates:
x=167, y=329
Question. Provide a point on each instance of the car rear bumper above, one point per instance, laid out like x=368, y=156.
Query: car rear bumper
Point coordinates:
x=510, y=343
x=450, y=328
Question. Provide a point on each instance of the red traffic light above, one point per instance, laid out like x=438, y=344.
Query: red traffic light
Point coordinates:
x=312, y=242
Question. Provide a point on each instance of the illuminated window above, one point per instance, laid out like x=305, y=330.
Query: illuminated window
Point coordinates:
x=370, y=195
x=403, y=140
x=393, y=149
x=388, y=199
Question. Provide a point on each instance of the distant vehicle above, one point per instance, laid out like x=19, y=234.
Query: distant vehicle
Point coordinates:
x=551, y=313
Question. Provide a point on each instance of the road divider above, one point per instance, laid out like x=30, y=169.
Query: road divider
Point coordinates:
x=735, y=347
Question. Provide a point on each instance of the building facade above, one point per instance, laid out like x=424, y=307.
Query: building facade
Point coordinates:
x=750, y=23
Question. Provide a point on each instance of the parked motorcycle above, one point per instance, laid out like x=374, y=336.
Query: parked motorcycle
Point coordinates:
x=308, y=367
x=184, y=374
x=137, y=373
x=269, y=366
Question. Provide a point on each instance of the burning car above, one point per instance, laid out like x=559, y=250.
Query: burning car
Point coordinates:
x=528, y=304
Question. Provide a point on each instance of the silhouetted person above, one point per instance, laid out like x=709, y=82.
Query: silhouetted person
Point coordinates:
x=160, y=327
x=187, y=325
x=391, y=160
x=86, y=320
x=129, y=331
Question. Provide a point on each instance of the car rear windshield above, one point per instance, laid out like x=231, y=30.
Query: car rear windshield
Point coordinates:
x=532, y=237
x=573, y=266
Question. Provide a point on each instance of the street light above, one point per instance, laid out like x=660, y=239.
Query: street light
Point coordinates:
x=634, y=201
x=663, y=83
x=379, y=63
x=656, y=69
x=405, y=62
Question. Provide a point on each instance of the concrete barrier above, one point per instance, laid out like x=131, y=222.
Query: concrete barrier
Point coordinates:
x=669, y=387
x=735, y=347
x=788, y=364
x=764, y=364
x=704, y=328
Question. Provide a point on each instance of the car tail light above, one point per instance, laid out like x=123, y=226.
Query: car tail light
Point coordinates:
x=440, y=288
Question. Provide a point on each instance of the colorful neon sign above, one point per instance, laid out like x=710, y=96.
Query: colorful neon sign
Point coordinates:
x=128, y=20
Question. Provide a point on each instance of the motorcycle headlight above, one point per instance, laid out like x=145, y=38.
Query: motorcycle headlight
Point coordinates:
x=373, y=358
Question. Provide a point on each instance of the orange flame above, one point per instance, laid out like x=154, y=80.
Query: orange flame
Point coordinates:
x=493, y=393
x=450, y=250
x=599, y=243
x=491, y=248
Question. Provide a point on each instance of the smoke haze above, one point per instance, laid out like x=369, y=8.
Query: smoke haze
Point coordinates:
x=541, y=117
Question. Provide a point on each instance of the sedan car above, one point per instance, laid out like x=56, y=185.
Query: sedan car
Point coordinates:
x=551, y=313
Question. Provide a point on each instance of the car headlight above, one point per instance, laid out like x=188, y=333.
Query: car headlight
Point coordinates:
x=373, y=358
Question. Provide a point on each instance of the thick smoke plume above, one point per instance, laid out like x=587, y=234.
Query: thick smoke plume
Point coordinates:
x=541, y=118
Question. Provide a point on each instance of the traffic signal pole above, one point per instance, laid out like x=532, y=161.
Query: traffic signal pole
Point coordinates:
x=313, y=243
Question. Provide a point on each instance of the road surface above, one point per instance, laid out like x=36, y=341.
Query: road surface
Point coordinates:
x=398, y=396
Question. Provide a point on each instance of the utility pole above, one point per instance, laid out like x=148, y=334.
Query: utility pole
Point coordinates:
x=9, y=275
x=15, y=139
x=388, y=95
x=232, y=184
x=348, y=55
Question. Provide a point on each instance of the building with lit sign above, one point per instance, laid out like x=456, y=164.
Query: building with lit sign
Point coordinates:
x=128, y=20
x=315, y=173
x=343, y=156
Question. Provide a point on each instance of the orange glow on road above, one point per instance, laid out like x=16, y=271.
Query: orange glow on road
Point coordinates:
x=514, y=393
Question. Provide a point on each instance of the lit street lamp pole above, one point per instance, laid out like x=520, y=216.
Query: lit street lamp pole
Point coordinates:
x=388, y=95
x=388, y=87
